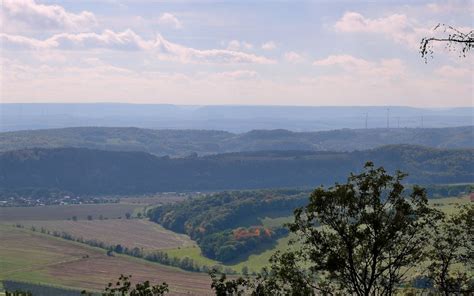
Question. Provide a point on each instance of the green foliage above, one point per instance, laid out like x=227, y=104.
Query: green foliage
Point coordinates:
x=124, y=287
x=224, y=287
x=451, y=254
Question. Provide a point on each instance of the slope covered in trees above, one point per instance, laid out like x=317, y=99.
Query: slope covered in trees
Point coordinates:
x=177, y=143
x=227, y=225
x=85, y=171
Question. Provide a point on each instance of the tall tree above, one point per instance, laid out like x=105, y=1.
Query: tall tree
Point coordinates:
x=451, y=254
x=124, y=287
x=357, y=238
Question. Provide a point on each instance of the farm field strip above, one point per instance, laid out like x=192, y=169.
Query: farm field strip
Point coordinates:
x=40, y=258
x=130, y=233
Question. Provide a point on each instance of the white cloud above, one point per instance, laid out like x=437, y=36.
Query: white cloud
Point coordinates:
x=129, y=40
x=385, y=68
x=451, y=6
x=293, y=57
x=239, y=74
x=270, y=45
x=449, y=71
x=170, y=20
x=171, y=51
x=41, y=17
x=238, y=45
x=126, y=40
x=345, y=61
x=397, y=27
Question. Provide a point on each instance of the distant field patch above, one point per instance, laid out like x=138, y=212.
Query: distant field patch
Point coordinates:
x=132, y=233
x=64, y=212
x=449, y=205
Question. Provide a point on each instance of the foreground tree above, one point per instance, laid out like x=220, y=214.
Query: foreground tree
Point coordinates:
x=453, y=39
x=452, y=253
x=124, y=287
x=357, y=238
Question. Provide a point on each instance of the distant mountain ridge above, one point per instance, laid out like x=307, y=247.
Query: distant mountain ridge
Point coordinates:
x=235, y=118
x=179, y=143
x=87, y=171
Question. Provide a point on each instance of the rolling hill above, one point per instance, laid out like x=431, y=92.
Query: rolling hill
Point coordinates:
x=179, y=143
x=88, y=171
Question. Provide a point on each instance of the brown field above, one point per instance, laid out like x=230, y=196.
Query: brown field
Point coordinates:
x=35, y=258
x=131, y=233
x=63, y=212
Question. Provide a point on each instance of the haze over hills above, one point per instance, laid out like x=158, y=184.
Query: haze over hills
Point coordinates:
x=86, y=171
x=228, y=118
x=178, y=143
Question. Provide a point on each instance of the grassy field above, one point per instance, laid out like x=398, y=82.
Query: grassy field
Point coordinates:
x=36, y=258
x=130, y=233
x=449, y=205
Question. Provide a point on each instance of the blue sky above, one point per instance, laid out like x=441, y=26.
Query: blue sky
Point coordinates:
x=232, y=52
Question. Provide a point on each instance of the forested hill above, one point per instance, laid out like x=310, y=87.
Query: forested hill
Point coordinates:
x=178, y=143
x=85, y=171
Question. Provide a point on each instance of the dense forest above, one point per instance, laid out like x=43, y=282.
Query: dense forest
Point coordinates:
x=227, y=225
x=86, y=171
x=179, y=143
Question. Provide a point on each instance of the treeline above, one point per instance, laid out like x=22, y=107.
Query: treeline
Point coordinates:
x=161, y=257
x=227, y=225
x=14, y=288
x=180, y=143
x=230, y=245
x=84, y=171
x=440, y=191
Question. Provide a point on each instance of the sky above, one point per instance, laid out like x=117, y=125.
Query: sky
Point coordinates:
x=314, y=53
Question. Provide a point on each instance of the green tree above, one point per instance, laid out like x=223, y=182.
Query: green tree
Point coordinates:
x=124, y=287
x=451, y=254
x=245, y=270
x=224, y=287
x=357, y=238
